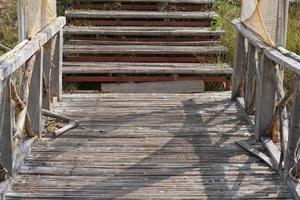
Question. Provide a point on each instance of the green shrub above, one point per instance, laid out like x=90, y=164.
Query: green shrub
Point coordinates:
x=227, y=11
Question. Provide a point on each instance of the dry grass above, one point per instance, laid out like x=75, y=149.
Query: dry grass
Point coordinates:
x=8, y=23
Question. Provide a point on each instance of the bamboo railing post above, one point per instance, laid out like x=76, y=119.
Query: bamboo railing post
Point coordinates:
x=238, y=75
x=294, y=131
x=36, y=95
x=7, y=128
x=265, y=96
x=250, y=82
x=56, y=80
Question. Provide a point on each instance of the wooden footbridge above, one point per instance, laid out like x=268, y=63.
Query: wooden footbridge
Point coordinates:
x=162, y=145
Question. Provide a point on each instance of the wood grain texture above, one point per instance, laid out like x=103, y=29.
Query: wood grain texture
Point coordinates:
x=141, y=31
x=144, y=68
x=145, y=49
x=139, y=15
x=148, y=146
x=155, y=87
x=265, y=97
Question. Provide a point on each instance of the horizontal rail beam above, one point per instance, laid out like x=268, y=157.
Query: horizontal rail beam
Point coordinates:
x=272, y=53
x=16, y=59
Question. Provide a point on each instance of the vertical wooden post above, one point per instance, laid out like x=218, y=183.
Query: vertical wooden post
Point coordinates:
x=36, y=94
x=283, y=15
x=47, y=66
x=237, y=79
x=250, y=84
x=265, y=96
x=7, y=128
x=294, y=129
x=56, y=81
x=21, y=20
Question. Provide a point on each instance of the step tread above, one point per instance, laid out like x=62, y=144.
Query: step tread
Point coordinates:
x=158, y=1
x=141, y=30
x=138, y=14
x=145, y=68
x=143, y=49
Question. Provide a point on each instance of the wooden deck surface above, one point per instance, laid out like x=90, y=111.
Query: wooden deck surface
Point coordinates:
x=147, y=146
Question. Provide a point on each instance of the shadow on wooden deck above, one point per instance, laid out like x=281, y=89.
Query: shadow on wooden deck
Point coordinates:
x=172, y=149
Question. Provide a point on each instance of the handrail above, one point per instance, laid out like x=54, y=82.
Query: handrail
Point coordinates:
x=258, y=78
x=40, y=59
x=14, y=61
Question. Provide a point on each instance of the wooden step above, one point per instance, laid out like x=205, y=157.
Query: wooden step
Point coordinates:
x=148, y=1
x=145, y=68
x=99, y=14
x=158, y=5
x=141, y=41
x=141, y=31
x=145, y=49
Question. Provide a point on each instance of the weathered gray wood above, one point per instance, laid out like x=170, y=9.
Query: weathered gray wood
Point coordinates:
x=293, y=151
x=272, y=53
x=237, y=79
x=265, y=96
x=48, y=113
x=7, y=129
x=56, y=80
x=47, y=73
x=178, y=42
x=250, y=82
x=36, y=95
x=145, y=49
x=156, y=87
x=140, y=15
x=141, y=31
x=11, y=63
x=257, y=153
x=283, y=16
x=163, y=1
x=144, y=68
x=21, y=20
x=159, y=146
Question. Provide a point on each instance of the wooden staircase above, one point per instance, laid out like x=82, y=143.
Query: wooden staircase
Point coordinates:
x=143, y=41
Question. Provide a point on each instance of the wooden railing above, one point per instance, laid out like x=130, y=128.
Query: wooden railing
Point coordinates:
x=30, y=76
x=259, y=79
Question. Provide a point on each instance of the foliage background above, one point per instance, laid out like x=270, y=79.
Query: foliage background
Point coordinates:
x=8, y=23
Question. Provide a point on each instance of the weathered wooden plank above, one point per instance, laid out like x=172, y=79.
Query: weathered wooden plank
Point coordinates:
x=238, y=74
x=250, y=82
x=144, y=68
x=164, y=1
x=56, y=80
x=271, y=53
x=139, y=41
x=141, y=31
x=47, y=73
x=292, y=165
x=36, y=94
x=12, y=62
x=146, y=49
x=265, y=96
x=7, y=128
x=140, y=15
x=156, y=87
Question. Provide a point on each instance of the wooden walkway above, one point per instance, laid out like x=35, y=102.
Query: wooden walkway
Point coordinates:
x=148, y=146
